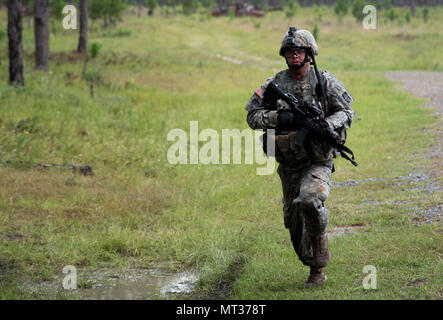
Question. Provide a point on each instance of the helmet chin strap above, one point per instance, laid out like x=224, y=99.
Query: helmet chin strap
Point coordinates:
x=299, y=66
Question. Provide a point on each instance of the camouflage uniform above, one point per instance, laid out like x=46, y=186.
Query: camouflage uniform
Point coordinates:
x=305, y=180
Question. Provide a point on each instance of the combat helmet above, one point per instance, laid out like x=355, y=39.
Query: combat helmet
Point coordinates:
x=300, y=38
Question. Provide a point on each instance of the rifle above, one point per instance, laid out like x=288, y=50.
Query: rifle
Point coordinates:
x=310, y=120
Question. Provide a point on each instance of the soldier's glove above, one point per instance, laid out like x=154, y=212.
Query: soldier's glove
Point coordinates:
x=282, y=105
x=285, y=119
x=333, y=134
x=331, y=131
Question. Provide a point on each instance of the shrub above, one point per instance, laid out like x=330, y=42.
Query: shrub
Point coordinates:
x=189, y=6
x=391, y=14
x=357, y=9
x=341, y=8
x=315, y=32
x=292, y=9
x=425, y=12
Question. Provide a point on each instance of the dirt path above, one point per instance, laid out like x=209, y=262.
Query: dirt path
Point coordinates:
x=427, y=85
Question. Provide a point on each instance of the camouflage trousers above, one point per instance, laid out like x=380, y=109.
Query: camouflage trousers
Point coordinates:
x=304, y=192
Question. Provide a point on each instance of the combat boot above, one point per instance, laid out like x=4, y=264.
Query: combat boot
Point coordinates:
x=316, y=278
x=320, y=250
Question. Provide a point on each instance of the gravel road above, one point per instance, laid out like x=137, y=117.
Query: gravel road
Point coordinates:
x=428, y=85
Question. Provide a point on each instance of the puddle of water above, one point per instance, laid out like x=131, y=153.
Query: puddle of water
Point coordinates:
x=142, y=284
x=110, y=284
x=184, y=283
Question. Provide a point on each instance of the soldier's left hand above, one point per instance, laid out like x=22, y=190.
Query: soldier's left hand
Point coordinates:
x=283, y=105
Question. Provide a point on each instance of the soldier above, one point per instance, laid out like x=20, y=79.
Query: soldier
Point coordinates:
x=304, y=170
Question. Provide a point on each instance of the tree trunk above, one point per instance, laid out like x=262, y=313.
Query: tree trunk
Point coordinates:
x=412, y=5
x=139, y=8
x=41, y=34
x=15, y=42
x=83, y=39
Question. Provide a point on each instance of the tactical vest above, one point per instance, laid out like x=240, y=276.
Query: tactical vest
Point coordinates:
x=304, y=90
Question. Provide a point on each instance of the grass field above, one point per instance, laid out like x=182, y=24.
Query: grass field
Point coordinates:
x=226, y=222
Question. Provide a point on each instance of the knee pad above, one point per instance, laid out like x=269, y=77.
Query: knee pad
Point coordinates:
x=311, y=205
x=315, y=213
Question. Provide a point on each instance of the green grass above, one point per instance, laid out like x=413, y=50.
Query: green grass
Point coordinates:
x=222, y=220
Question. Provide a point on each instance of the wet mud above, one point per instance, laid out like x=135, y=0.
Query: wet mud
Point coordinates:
x=110, y=284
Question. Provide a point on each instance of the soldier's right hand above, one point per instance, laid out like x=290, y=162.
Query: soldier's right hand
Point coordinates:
x=334, y=134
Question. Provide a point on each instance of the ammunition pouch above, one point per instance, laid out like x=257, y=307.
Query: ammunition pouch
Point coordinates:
x=285, y=147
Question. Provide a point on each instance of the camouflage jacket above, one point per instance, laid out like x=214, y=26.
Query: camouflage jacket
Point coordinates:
x=338, y=111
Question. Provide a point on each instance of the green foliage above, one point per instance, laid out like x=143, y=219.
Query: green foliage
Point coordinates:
x=357, y=9
x=292, y=9
x=57, y=9
x=94, y=49
x=93, y=75
x=171, y=3
x=151, y=4
x=231, y=14
x=341, y=8
x=114, y=9
x=289, y=14
x=94, y=27
x=54, y=25
x=109, y=10
x=189, y=6
x=206, y=3
x=120, y=32
x=2, y=34
x=382, y=4
x=425, y=12
x=391, y=14
x=256, y=23
x=318, y=12
x=400, y=22
x=95, y=9
x=408, y=17
x=315, y=31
